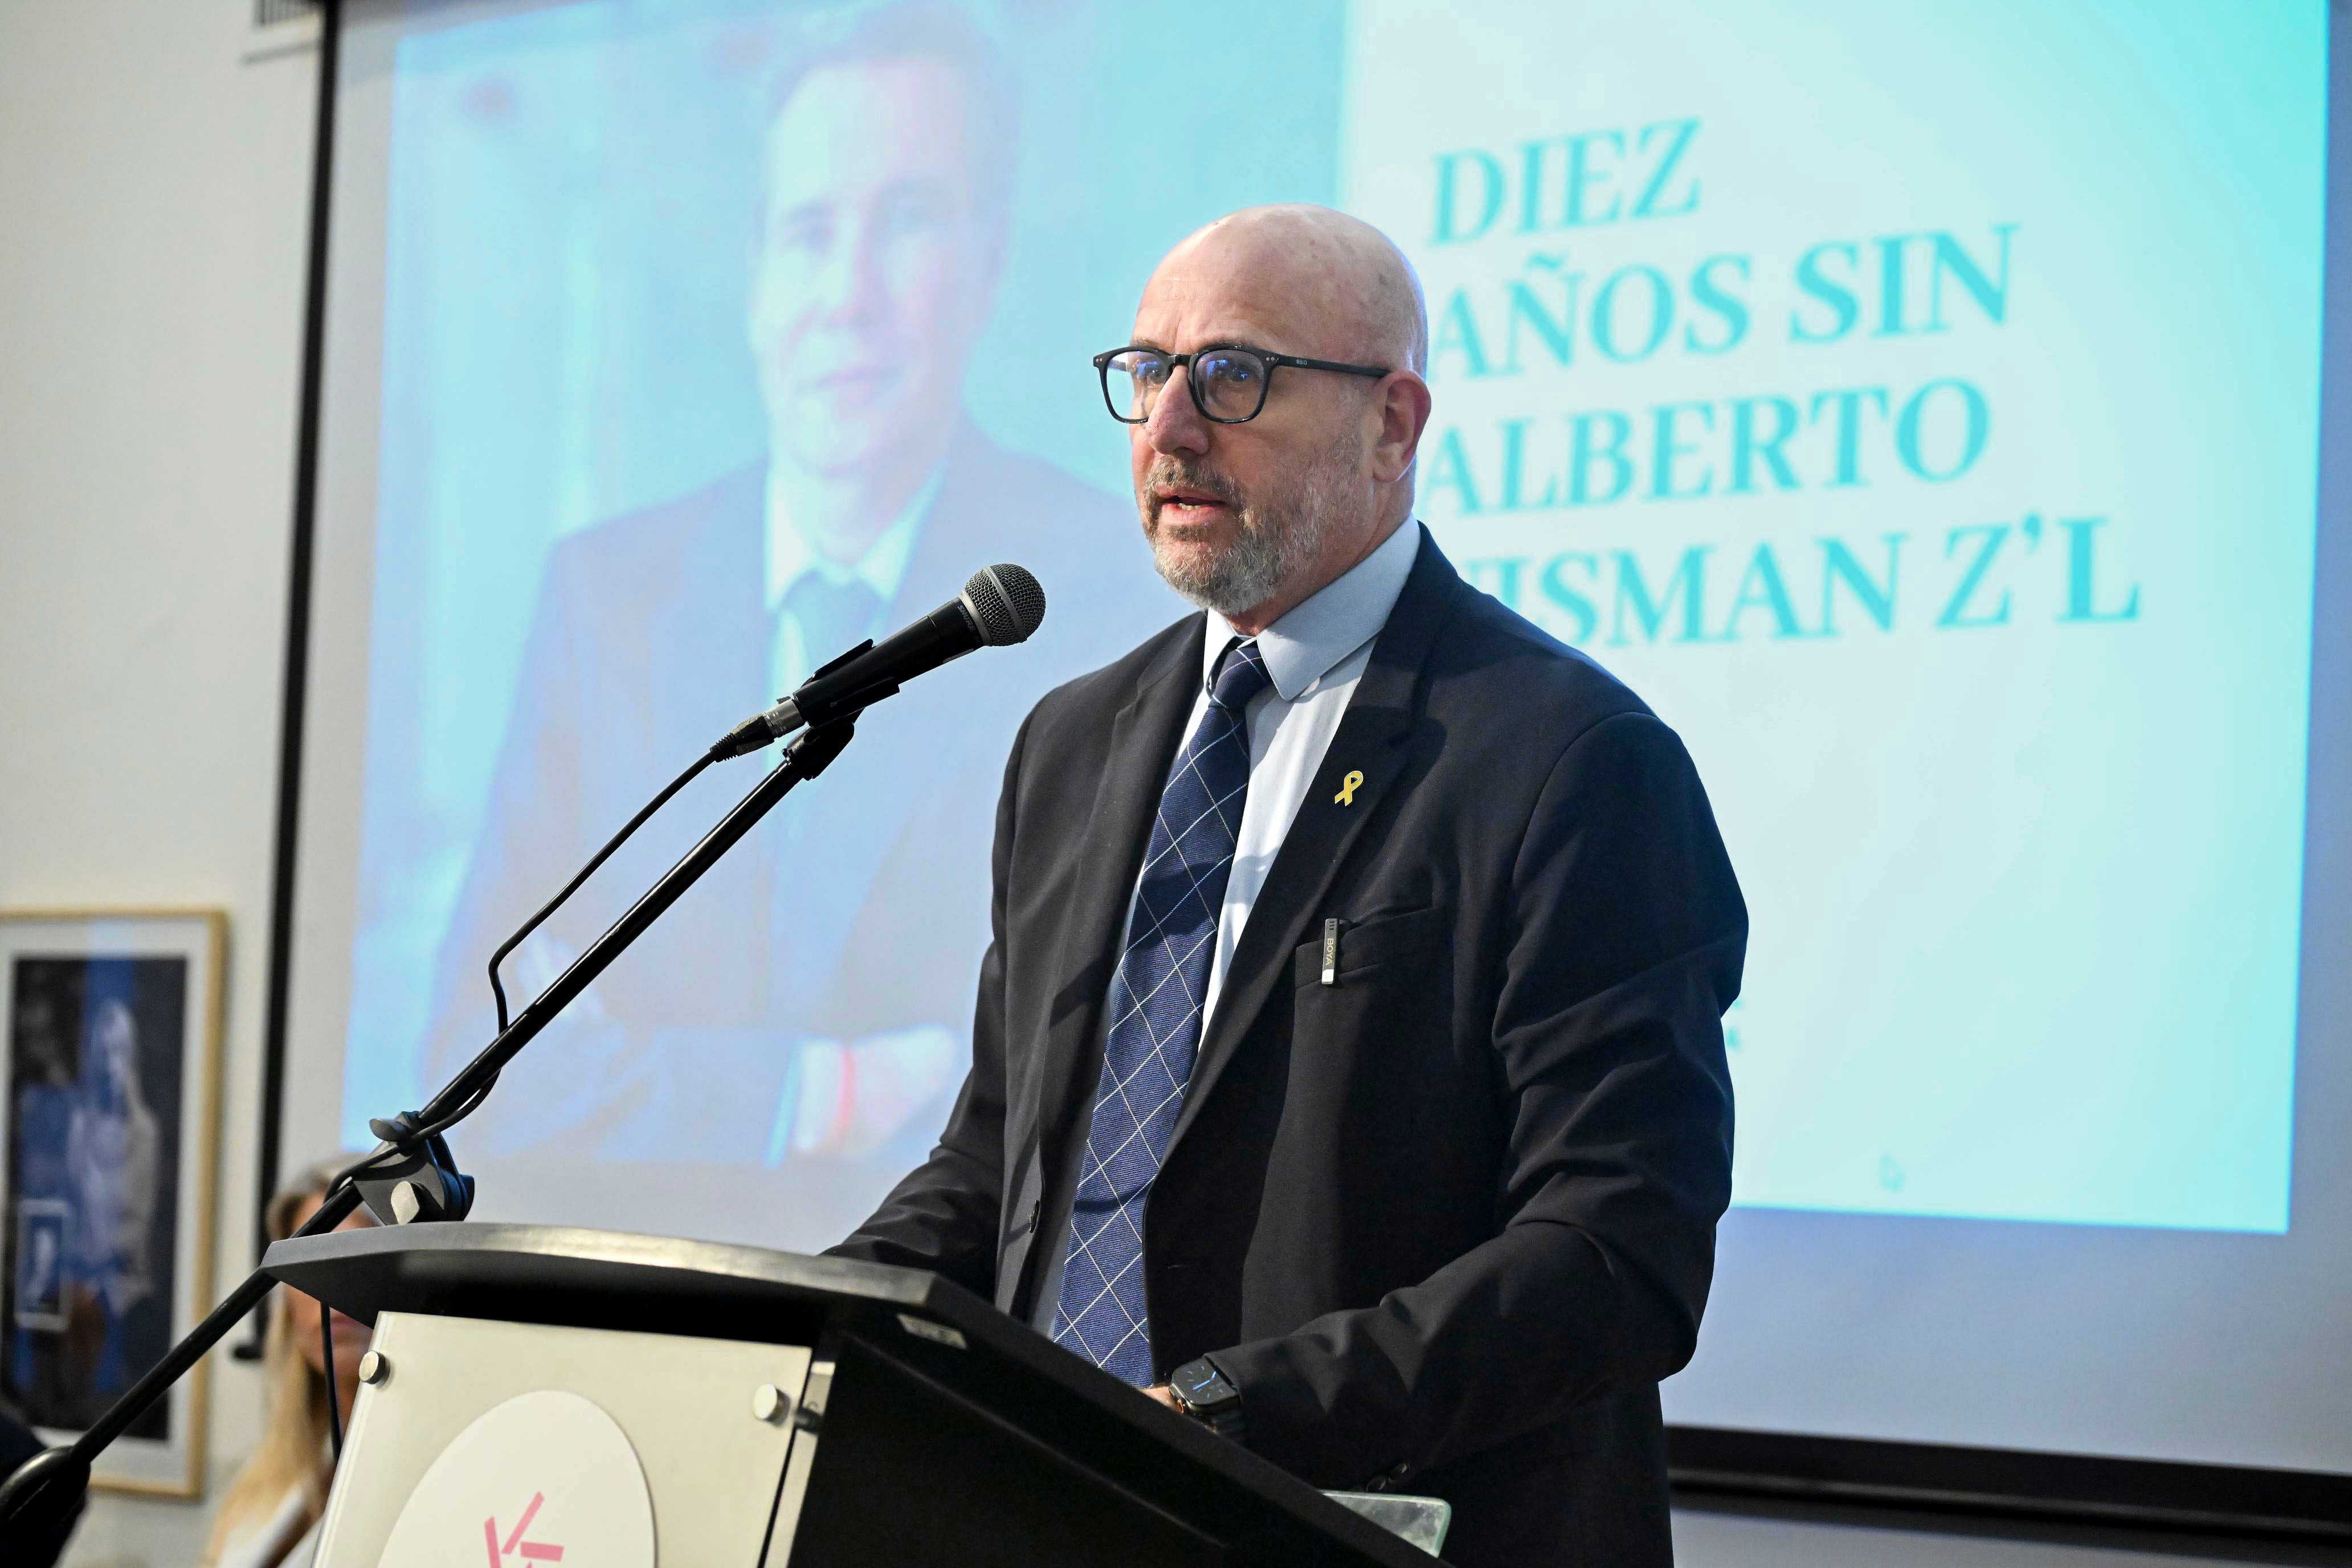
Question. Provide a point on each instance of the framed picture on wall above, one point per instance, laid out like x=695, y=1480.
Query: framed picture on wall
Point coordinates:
x=111, y=1027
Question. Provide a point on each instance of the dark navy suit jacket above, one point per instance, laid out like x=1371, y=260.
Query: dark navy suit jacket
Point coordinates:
x=1447, y=1222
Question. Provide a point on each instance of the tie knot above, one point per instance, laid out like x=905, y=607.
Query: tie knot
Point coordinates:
x=833, y=617
x=1240, y=676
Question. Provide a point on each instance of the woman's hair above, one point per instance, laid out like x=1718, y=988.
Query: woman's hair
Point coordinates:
x=293, y=1451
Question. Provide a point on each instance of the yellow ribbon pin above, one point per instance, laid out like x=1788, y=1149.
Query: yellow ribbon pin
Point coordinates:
x=1348, y=787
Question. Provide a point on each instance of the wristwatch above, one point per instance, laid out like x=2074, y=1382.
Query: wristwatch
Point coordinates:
x=1202, y=1393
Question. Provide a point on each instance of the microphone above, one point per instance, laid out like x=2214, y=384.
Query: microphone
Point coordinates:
x=999, y=605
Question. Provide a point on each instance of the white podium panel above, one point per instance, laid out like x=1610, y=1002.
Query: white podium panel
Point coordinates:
x=526, y=1446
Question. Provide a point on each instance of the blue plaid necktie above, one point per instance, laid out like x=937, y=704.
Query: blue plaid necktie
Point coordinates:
x=1155, y=1010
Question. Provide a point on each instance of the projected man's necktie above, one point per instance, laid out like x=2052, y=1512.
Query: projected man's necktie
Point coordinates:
x=1155, y=1010
x=831, y=617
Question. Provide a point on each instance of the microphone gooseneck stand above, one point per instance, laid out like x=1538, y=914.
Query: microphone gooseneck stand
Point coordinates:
x=411, y=1176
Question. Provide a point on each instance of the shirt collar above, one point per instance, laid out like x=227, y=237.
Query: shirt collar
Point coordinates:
x=1339, y=618
x=882, y=568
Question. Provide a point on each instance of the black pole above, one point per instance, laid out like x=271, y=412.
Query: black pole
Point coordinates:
x=810, y=753
x=47, y=1487
x=266, y=1152
x=181, y=1357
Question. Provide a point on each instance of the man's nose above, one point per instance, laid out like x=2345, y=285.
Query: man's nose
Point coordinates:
x=849, y=284
x=1175, y=424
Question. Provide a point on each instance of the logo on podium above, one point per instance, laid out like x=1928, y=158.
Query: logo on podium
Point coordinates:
x=545, y=1477
x=531, y=1551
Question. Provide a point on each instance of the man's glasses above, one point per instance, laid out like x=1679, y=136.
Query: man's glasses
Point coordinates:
x=1228, y=383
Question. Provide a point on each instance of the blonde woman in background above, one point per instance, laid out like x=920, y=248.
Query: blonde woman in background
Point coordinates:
x=271, y=1517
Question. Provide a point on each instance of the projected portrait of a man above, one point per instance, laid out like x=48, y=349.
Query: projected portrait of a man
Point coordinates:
x=882, y=226
x=809, y=1001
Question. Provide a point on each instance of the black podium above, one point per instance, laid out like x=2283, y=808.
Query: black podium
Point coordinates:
x=541, y=1394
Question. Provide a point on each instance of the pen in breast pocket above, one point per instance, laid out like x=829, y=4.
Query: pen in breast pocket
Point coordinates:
x=1330, y=952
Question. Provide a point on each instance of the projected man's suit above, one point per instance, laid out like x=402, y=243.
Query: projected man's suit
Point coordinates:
x=810, y=999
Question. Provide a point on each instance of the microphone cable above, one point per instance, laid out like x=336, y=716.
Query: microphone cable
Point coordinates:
x=390, y=1148
x=334, y=1395
x=498, y=991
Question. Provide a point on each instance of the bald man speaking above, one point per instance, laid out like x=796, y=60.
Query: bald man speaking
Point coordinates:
x=1348, y=1069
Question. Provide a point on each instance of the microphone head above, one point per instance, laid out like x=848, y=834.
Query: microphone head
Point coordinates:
x=1005, y=603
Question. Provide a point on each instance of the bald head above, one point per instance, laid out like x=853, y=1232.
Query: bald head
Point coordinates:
x=1338, y=280
x=1252, y=518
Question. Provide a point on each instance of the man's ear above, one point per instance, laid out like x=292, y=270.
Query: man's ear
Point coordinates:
x=1403, y=404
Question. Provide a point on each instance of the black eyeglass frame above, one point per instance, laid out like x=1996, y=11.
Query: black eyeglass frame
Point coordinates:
x=1273, y=362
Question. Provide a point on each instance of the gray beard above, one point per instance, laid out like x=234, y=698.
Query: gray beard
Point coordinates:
x=1278, y=540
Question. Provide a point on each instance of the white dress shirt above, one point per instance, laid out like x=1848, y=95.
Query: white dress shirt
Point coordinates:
x=1316, y=655
x=883, y=568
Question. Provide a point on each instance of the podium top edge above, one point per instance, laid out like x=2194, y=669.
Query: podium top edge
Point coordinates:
x=398, y=1267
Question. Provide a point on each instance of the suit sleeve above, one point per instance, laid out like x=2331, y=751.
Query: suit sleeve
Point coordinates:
x=1621, y=946
x=947, y=1215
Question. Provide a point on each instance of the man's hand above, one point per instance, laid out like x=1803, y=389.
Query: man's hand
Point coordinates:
x=1166, y=1395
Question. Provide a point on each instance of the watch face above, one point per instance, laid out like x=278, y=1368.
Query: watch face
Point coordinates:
x=1201, y=1384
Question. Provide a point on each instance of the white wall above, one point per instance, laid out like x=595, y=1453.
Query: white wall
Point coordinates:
x=154, y=203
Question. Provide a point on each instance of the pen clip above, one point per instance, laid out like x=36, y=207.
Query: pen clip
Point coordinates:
x=1331, y=952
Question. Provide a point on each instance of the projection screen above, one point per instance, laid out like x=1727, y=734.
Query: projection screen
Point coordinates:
x=1921, y=406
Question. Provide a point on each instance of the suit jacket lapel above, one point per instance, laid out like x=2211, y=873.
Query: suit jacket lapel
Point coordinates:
x=1372, y=738
x=705, y=654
